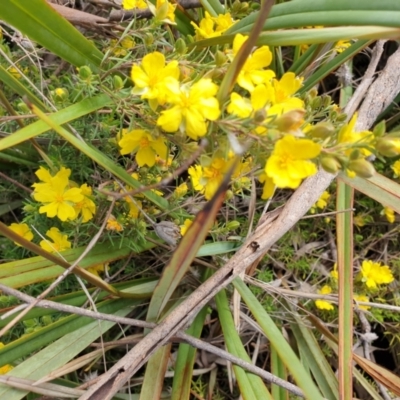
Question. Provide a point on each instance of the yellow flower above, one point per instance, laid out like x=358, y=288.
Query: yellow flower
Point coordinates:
x=240, y=106
x=144, y=145
x=130, y=4
x=321, y=203
x=14, y=72
x=334, y=273
x=213, y=26
x=134, y=207
x=252, y=73
x=165, y=11
x=95, y=269
x=269, y=186
x=361, y=297
x=5, y=368
x=150, y=77
x=60, y=199
x=324, y=304
x=60, y=241
x=347, y=135
x=180, y=190
x=373, y=274
x=207, y=179
x=389, y=214
x=342, y=45
x=290, y=162
x=185, y=226
x=22, y=230
x=396, y=168
x=113, y=225
x=223, y=22
x=86, y=207
x=277, y=95
x=191, y=107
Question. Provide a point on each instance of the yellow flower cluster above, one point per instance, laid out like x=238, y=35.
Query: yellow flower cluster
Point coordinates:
x=371, y=275
x=61, y=197
x=213, y=26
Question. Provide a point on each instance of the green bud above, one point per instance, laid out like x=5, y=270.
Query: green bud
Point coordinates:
x=220, y=58
x=380, y=129
x=322, y=130
x=326, y=101
x=260, y=115
x=180, y=46
x=23, y=108
x=232, y=225
x=387, y=147
x=47, y=320
x=362, y=168
x=316, y=103
x=162, y=12
x=85, y=73
x=355, y=155
x=244, y=6
x=236, y=6
x=148, y=38
x=330, y=164
x=61, y=94
x=229, y=195
x=118, y=83
x=341, y=117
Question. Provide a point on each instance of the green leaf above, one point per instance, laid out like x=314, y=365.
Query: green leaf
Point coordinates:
x=251, y=386
x=18, y=87
x=378, y=187
x=68, y=114
x=41, y=23
x=274, y=335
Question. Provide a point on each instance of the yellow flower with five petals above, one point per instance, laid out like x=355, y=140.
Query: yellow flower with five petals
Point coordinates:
x=60, y=241
x=150, y=77
x=290, y=162
x=59, y=198
x=22, y=230
x=191, y=108
x=253, y=72
x=374, y=274
x=324, y=304
x=146, y=147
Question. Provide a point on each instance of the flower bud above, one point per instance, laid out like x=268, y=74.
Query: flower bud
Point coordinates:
x=236, y=6
x=380, y=129
x=355, y=154
x=260, y=115
x=362, y=168
x=326, y=101
x=148, y=39
x=180, y=46
x=162, y=11
x=118, y=83
x=316, y=103
x=388, y=147
x=85, y=73
x=341, y=117
x=330, y=164
x=322, y=130
x=61, y=94
x=232, y=225
x=290, y=121
x=220, y=58
x=23, y=107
